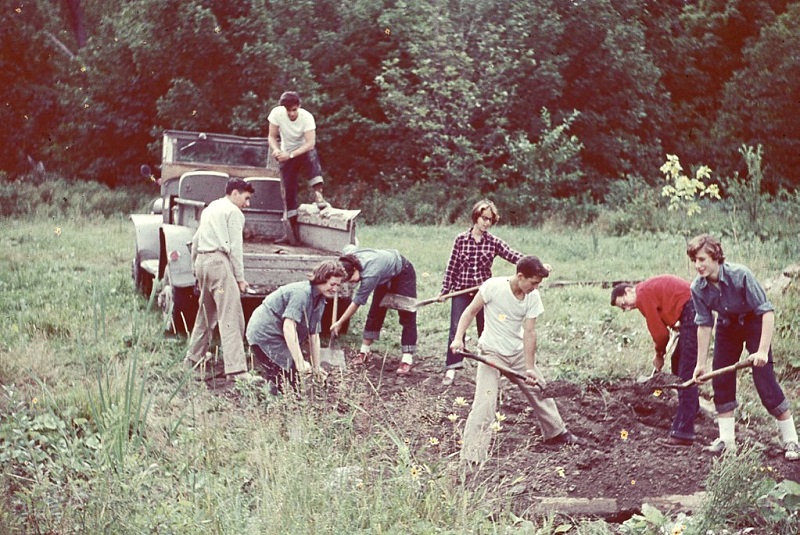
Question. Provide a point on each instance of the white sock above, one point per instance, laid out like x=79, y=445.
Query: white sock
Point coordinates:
x=451, y=373
x=788, y=431
x=365, y=349
x=727, y=430
x=408, y=358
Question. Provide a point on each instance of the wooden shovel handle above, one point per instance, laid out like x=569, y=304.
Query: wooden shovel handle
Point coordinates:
x=446, y=296
x=519, y=379
x=502, y=368
x=746, y=363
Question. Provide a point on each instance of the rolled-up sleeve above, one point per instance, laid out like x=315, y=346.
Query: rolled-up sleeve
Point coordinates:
x=755, y=296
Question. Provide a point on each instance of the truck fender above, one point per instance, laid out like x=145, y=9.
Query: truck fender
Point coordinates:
x=175, y=242
x=146, y=237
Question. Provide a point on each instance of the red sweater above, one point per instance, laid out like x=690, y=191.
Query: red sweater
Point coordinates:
x=661, y=299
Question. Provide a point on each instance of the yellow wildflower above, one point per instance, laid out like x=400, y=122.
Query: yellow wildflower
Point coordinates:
x=499, y=416
x=623, y=434
x=496, y=426
x=460, y=402
x=433, y=441
x=452, y=417
x=58, y=231
x=415, y=472
x=657, y=393
x=560, y=471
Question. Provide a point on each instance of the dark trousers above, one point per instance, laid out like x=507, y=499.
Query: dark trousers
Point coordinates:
x=272, y=372
x=306, y=165
x=684, y=361
x=458, y=305
x=731, y=336
x=404, y=283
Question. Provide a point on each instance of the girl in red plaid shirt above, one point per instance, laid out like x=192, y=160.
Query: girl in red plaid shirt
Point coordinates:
x=470, y=265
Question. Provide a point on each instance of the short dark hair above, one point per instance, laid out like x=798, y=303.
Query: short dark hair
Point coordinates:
x=237, y=184
x=484, y=204
x=325, y=270
x=289, y=99
x=708, y=242
x=618, y=291
x=531, y=266
x=351, y=264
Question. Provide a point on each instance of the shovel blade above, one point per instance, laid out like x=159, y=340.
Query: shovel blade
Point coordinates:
x=399, y=302
x=332, y=357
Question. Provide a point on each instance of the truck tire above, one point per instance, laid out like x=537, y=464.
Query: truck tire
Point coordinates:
x=184, y=309
x=142, y=280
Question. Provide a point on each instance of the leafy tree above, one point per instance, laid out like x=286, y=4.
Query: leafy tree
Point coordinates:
x=707, y=51
x=31, y=49
x=762, y=100
x=611, y=78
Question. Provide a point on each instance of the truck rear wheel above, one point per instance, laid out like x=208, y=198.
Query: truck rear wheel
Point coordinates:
x=184, y=309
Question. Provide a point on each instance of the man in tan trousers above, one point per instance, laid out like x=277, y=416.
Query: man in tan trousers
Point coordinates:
x=218, y=260
x=511, y=306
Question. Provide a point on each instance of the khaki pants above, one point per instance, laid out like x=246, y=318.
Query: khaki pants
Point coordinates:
x=220, y=303
x=478, y=432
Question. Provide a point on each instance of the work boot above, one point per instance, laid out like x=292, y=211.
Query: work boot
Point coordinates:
x=320, y=200
x=292, y=234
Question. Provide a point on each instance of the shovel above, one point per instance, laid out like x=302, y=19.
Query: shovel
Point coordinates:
x=410, y=304
x=330, y=355
x=672, y=344
x=747, y=363
x=518, y=378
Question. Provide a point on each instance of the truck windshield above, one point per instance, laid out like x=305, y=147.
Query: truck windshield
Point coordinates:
x=216, y=149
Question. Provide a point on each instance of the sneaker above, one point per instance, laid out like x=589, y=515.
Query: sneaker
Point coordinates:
x=361, y=358
x=564, y=439
x=792, y=451
x=717, y=447
x=676, y=442
x=449, y=377
x=404, y=368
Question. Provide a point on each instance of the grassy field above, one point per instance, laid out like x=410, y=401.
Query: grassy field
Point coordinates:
x=101, y=431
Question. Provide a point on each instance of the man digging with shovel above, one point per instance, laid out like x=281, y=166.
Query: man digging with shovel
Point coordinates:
x=665, y=301
x=511, y=306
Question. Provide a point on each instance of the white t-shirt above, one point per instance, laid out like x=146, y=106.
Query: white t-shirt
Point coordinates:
x=504, y=316
x=292, y=132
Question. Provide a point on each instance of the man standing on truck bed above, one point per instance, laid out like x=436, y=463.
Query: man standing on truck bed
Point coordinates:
x=218, y=263
x=295, y=154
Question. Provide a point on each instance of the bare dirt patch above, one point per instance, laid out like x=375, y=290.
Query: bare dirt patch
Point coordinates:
x=622, y=463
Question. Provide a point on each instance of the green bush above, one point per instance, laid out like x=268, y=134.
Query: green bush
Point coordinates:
x=50, y=196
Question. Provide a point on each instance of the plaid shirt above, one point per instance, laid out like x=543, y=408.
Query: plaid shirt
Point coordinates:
x=471, y=262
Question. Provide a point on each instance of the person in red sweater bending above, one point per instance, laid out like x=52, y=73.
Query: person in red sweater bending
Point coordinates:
x=665, y=301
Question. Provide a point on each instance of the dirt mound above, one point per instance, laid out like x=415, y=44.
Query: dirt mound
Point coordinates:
x=621, y=423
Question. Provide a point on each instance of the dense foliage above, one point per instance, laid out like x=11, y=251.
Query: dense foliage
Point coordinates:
x=534, y=102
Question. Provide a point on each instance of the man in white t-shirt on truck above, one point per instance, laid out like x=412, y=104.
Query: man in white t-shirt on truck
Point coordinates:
x=510, y=307
x=296, y=155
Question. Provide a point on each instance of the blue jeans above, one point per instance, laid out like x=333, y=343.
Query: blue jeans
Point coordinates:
x=683, y=363
x=404, y=283
x=731, y=336
x=307, y=165
x=458, y=305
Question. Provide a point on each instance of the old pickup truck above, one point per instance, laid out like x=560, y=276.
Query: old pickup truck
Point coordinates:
x=195, y=168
